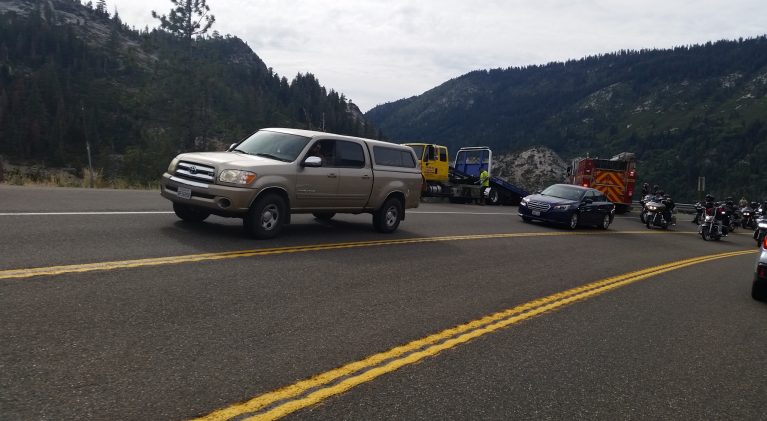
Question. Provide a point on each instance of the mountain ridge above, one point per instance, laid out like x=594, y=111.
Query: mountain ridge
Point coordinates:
x=686, y=112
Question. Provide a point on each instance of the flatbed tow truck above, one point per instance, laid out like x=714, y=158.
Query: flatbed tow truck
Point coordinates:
x=460, y=182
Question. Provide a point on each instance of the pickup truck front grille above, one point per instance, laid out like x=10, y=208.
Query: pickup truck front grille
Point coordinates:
x=538, y=206
x=195, y=172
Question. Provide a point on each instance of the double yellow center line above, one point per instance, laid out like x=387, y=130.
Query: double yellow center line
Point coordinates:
x=192, y=258
x=281, y=402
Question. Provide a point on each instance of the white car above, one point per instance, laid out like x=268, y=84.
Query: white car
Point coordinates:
x=759, y=287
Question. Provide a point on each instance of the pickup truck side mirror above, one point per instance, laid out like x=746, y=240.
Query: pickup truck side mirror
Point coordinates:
x=313, y=161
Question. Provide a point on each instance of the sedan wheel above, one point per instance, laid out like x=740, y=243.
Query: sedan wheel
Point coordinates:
x=605, y=222
x=573, y=221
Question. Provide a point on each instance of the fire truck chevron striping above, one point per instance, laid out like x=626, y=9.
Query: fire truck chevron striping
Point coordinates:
x=614, y=177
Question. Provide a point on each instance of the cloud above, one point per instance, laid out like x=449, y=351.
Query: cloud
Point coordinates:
x=378, y=52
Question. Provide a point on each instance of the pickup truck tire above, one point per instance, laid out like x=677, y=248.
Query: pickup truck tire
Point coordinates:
x=189, y=213
x=266, y=217
x=324, y=216
x=386, y=219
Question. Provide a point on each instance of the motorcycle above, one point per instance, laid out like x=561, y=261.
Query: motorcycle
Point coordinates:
x=748, y=219
x=643, y=202
x=657, y=215
x=713, y=226
x=761, y=230
x=734, y=218
x=698, y=212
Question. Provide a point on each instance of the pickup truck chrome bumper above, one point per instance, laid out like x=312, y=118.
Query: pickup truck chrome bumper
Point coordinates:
x=210, y=196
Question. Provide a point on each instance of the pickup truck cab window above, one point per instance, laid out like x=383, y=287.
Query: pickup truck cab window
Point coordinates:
x=324, y=149
x=338, y=153
x=349, y=154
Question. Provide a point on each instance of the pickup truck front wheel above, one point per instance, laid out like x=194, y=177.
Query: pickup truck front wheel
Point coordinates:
x=266, y=217
x=386, y=219
x=189, y=213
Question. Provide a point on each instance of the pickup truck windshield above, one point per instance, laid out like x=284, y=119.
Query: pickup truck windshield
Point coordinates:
x=274, y=145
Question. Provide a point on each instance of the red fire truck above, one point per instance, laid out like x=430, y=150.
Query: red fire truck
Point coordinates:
x=614, y=177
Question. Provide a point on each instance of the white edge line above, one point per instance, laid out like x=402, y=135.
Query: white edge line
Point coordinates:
x=460, y=213
x=84, y=213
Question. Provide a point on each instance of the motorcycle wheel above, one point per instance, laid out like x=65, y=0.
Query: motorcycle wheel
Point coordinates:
x=641, y=217
x=704, y=235
x=647, y=224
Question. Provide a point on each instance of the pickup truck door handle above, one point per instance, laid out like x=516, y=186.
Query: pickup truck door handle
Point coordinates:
x=331, y=175
x=365, y=177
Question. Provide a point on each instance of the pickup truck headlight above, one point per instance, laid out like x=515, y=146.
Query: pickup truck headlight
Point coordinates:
x=172, y=166
x=236, y=177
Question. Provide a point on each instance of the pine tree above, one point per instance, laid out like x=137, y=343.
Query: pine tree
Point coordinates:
x=189, y=18
x=101, y=8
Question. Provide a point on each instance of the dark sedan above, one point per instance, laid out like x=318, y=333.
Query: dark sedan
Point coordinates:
x=569, y=205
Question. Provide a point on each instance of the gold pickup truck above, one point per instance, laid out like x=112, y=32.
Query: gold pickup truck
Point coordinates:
x=278, y=172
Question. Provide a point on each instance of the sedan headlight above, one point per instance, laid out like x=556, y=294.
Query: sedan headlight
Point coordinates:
x=236, y=177
x=524, y=201
x=561, y=207
x=173, y=165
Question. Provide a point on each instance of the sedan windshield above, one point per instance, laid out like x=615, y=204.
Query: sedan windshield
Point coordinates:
x=274, y=145
x=563, y=192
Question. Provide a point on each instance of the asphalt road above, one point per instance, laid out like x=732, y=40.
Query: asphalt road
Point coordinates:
x=111, y=308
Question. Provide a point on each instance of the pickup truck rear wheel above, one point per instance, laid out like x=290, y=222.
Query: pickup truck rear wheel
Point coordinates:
x=386, y=219
x=189, y=213
x=266, y=217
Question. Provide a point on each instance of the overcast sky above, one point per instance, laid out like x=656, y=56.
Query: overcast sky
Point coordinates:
x=381, y=51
